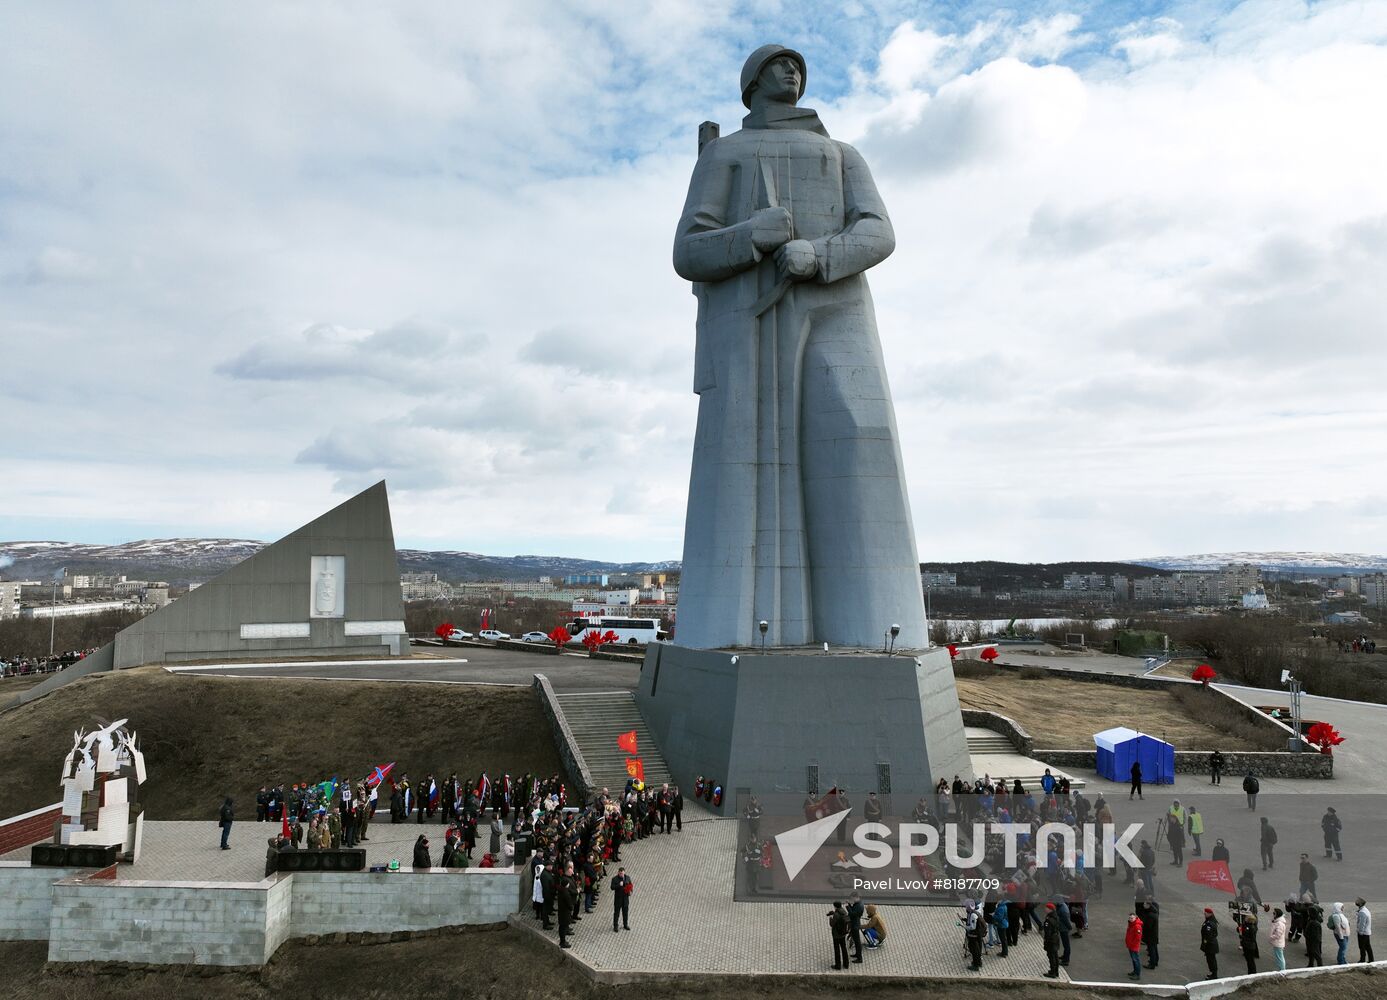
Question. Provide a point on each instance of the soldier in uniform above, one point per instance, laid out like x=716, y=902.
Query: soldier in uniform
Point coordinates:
x=568, y=904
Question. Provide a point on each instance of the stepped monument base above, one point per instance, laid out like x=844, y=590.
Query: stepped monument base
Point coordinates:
x=799, y=720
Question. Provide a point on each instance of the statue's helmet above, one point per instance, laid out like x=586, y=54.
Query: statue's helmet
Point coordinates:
x=757, y=62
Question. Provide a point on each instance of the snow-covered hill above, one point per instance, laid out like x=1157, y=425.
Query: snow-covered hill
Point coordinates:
x=1295, y=562
x=185, y=560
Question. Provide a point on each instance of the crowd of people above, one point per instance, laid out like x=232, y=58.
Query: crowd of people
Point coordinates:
x=1042, y=894
x=576, y=849
x=25, y=666
x=578, y=853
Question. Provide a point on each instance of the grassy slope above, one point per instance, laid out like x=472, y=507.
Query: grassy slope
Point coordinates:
x=208, y=736
x=1064, y=714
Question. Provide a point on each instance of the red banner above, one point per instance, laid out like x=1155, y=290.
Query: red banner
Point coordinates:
x=635, y=768
x=1213, y=874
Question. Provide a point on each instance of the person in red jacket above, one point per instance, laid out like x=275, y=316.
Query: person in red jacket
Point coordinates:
x=1133, y=941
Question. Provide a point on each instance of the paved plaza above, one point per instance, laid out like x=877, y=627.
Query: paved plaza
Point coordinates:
x=684, y=920
x=457, y=664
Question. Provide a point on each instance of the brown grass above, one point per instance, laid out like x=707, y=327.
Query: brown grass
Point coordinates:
x=205, y=737
x=1064, y=714
x=472, y=964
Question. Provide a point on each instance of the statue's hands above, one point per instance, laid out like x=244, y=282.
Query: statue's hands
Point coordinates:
x=796, y=261
x=770, y=228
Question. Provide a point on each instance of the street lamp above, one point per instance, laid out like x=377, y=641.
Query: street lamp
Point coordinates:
x=895, y=631
x=764, y=626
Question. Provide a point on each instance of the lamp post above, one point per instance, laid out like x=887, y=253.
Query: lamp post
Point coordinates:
x=764, y=626
x=1295, y=713
x=53, y=612
x=895, y=631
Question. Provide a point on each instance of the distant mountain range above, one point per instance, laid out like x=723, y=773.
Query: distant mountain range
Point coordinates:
x=1317, y=563
x=192, y=560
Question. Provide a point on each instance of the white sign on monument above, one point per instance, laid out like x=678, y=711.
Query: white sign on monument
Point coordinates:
x=327, y=587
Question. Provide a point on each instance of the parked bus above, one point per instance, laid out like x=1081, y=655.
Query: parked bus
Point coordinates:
x=633, y=631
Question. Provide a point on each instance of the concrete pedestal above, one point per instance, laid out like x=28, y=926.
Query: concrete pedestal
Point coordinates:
x=763, y=722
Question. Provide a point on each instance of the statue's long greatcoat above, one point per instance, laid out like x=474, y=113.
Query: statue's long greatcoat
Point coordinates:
x=798, y=512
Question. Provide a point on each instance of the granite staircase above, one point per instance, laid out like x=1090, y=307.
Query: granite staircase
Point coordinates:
x=596, y=719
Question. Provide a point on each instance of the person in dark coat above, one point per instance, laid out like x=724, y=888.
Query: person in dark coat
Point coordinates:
x=1314, y=930
x=1267, y=843
x=421, y=853
x=1208, y=942
x=1149, y=911
x=1050, y=937
x=1332, y=827
x=1247, y=939
x=497, y=830
x=676, y=798
x=838, y=928
x=568, y=902
x=1136, y=781
x=224, y=820
x=549, y=885
x=1220, y=852
x=621, y=899
x=856, y=911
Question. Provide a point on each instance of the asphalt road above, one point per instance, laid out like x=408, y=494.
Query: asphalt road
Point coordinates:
x=463, y=664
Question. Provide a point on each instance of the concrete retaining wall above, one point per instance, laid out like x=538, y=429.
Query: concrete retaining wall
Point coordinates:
x=89, y=919
x=999, y=723
x=353, y=902
x=167, y=923
x=26, y=899
x=1270, y=764
x=29, y=828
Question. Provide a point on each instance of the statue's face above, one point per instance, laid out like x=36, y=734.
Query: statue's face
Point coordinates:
x=780, y=80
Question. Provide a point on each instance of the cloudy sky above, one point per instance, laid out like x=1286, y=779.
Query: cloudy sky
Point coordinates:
x=254, y=257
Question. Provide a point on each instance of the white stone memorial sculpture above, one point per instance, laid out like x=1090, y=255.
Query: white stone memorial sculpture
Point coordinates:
x=101, y=776
x=798, y=513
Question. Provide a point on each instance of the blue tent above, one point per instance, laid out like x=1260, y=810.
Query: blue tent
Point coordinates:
x=1121, y=747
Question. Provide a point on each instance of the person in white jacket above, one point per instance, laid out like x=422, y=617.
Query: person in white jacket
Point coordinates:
x=1338, y=926
x=1276, y=936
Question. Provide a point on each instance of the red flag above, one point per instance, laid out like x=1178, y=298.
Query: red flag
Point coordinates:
x=1213, y=874
x=627, y=742
x=635, y=768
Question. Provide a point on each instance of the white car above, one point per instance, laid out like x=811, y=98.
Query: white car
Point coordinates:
x=458, y=633
x=534, y=637
x=492, y=634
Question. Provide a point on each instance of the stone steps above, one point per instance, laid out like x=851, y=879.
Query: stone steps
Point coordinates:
x=596, y=719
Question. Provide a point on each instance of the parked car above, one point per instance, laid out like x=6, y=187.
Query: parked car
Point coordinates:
x=458, y=633
x=492, y=634
x=534, y=637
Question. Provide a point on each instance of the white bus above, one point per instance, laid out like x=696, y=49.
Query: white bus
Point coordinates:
x=633, y=631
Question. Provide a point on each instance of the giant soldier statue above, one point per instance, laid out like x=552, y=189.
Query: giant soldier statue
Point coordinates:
x=798, y=514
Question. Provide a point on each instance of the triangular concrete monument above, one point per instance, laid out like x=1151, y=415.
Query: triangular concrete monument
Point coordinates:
x=331, y=588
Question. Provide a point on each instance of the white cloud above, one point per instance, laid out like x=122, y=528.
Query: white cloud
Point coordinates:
x=265, y=256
